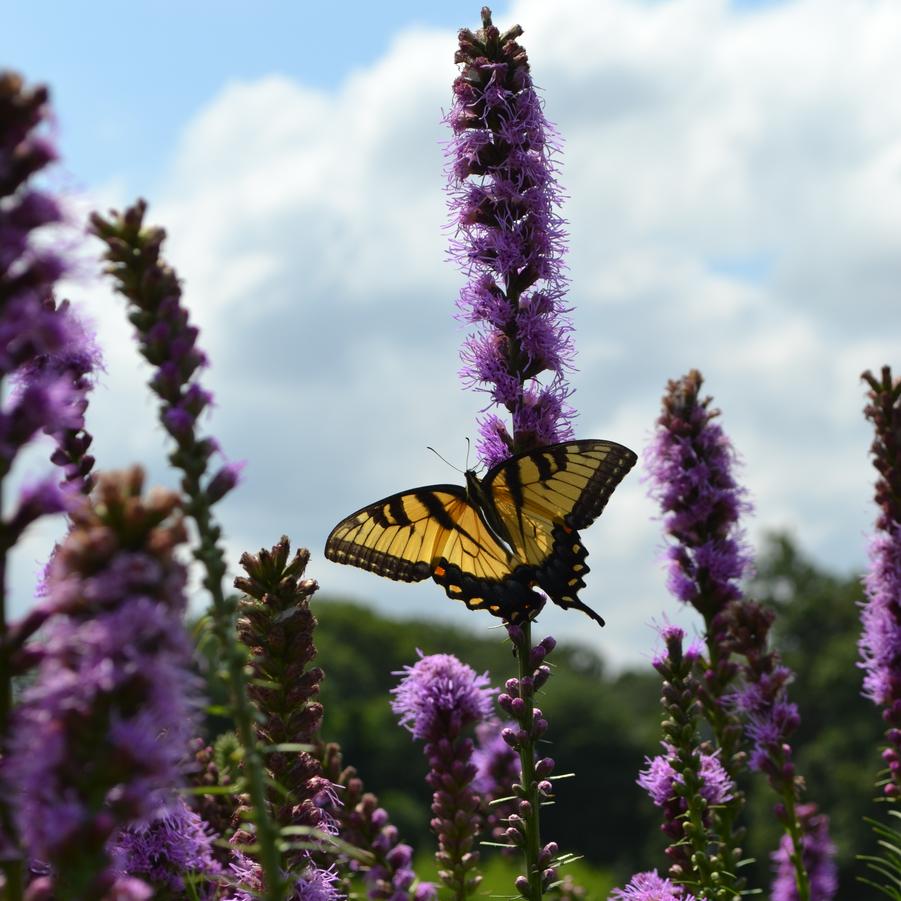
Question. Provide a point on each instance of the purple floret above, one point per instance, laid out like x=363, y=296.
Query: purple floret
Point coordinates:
x=169, y=848
x=819, y=860
x=439, y=694
x=650, y=887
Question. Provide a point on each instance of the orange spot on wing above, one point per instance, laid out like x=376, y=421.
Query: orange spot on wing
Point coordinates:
x=439, y=571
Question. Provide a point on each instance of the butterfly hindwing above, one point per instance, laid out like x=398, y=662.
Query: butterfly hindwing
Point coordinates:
x=543, y=497
x=564, y=484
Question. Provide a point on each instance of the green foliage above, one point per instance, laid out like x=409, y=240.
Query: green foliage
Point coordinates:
x=601, y=729
x=603, y=725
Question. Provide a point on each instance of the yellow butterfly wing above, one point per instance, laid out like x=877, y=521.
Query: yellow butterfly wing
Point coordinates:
x=543, y=497
x=435, y=531
x=565, y=485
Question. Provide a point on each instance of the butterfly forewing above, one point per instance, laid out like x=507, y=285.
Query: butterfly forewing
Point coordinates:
x=404, y=536
x=563, y=484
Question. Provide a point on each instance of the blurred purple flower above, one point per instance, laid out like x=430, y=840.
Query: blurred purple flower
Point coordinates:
x=509, y=239
x=650, y=887
x=880, y=641
x=168, y=848
x=74, y=364
x=496, y=763
x=819, y=860
x=102, y=732
x=659, y=779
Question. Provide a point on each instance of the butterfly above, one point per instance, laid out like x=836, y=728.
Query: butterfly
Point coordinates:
x=492, y=543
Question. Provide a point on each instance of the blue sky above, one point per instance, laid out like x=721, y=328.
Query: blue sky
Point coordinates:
x=734, y=205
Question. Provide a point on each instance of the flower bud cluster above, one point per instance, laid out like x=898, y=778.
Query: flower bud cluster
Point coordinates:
x=168, y=342
x=880, y=642
x=534, y=786
x=437, y=699
x=276, y=624
x=101, y=733
x=683, y=783
x=362, y=822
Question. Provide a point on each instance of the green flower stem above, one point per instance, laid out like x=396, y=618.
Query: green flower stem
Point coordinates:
x=150, y=286
x=796, y=833
x=529, y=785
x=224, y=614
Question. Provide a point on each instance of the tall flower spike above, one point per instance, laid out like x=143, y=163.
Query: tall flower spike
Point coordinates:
x=819, y=860
x=76, y=365
x=880, y=642
x=169, y=343
x=276, y=625
x=363, y=823
x=687, y=783
x=437, y=699
x=101, y=733
x=30, y=328
x=170, y=851
x=691, y=463
x=509, y=239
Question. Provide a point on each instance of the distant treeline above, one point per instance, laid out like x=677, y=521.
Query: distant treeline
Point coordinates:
x=603, y=725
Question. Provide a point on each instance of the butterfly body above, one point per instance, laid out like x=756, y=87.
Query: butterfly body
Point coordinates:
x=495, y=542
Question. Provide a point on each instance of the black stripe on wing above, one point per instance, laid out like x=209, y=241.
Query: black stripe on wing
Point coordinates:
x=568, y=483
x=397, y=536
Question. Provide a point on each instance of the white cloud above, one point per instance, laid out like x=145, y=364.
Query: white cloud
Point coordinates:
x=735, y=184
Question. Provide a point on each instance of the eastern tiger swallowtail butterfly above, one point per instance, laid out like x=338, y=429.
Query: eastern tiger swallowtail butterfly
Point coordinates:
x=492, y=543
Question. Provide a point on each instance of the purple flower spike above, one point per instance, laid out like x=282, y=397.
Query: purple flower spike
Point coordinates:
x=439, y=697
x=509, y=240
x=650, y=887
x=691, y=462
x=102, y=732
x=819, y=860
x=167, y=849
x=880, y=641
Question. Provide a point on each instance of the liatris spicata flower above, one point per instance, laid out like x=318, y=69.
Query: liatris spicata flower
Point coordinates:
x=509, y=240
x=276, y=625
x=313, y=884
x=363, y=823
x=650, y=887
x=685, y=785
x=101, y=734
x=770, y=720
x=169, y=343
x=497, y=771
x=436, y=700
x=880, y=642
x=819, y=860
x=691, y=464
x=169, y=851
x=75, y=364
x=534, y=787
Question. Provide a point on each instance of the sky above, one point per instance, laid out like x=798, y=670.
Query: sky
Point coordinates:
x=733, y=182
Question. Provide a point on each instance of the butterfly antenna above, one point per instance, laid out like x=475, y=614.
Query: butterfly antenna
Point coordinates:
x=454, y=468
